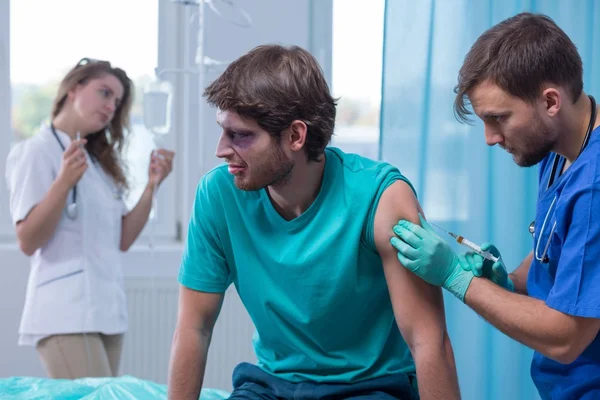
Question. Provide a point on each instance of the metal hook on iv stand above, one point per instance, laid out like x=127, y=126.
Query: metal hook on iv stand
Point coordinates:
x=203, y=62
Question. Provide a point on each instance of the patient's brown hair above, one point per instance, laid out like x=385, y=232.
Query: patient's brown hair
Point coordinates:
x=276, y=85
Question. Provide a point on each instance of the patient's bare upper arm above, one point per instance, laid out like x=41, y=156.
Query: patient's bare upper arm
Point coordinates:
x=418, y=306
x=198, y=310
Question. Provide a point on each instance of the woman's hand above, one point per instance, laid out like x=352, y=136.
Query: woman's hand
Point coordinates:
x=161, y=164
x=73, y=165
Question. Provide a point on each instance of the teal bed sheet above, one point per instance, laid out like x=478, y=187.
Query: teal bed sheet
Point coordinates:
x=121, y=388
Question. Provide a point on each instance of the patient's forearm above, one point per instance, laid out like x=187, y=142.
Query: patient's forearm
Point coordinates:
x=188, y=363
x=436, y=371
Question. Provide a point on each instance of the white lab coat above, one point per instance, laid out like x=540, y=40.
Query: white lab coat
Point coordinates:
x=76, y=280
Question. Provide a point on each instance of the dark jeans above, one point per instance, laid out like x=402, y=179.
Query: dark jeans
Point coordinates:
x=252, y=383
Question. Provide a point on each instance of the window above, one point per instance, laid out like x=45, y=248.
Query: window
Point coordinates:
x=356, y=76
x=66, y=33
x=139, y=36
x=124, y=33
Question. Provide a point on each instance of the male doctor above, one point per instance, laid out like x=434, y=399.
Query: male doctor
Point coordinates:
x=523, y=78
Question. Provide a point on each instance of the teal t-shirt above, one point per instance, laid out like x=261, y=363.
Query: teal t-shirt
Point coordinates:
x=314, y=286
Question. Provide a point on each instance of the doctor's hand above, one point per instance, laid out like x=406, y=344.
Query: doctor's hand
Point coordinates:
x=494, y=271
x=73, y=164
x=423, y=252
x=161, y=164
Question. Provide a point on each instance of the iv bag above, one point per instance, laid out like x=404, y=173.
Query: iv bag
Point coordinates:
x=158, y=98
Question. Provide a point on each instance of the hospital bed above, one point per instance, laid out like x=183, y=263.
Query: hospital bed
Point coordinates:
x=121, y=388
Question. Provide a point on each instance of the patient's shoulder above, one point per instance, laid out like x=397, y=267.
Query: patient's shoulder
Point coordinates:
x=397, y=202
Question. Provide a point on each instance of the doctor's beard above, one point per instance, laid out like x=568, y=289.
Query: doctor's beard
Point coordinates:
x=537, y=142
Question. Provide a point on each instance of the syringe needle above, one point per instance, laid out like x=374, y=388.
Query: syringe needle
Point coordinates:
x=439, y=227
x=465, y=242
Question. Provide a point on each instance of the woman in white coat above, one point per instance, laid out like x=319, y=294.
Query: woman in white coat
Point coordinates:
x=66, y=200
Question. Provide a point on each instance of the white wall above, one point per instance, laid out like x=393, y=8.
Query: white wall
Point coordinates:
x=274, y=21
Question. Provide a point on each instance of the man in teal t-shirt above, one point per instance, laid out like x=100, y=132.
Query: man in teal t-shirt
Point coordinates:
x=303, y=232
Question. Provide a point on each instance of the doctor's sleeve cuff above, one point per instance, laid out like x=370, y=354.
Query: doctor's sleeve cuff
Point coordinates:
x=576, y=310
x=29, y=176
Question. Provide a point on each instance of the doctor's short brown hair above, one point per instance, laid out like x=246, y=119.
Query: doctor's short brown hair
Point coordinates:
x=520, y=54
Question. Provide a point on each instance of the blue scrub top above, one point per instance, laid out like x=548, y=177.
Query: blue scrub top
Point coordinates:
x=568, y=221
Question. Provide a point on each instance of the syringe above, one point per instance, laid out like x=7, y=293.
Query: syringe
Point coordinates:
x=466, y=242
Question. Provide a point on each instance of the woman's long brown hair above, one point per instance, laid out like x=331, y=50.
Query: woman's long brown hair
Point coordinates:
x=106, y=145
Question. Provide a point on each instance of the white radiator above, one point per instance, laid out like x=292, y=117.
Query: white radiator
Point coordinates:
x=152, y=307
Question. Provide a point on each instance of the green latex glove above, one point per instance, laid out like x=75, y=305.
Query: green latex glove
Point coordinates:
x=431, y=258
x=479, y=266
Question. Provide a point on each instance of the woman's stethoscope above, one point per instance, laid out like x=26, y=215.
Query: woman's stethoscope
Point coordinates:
x=72, y=207
x=544, y=257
